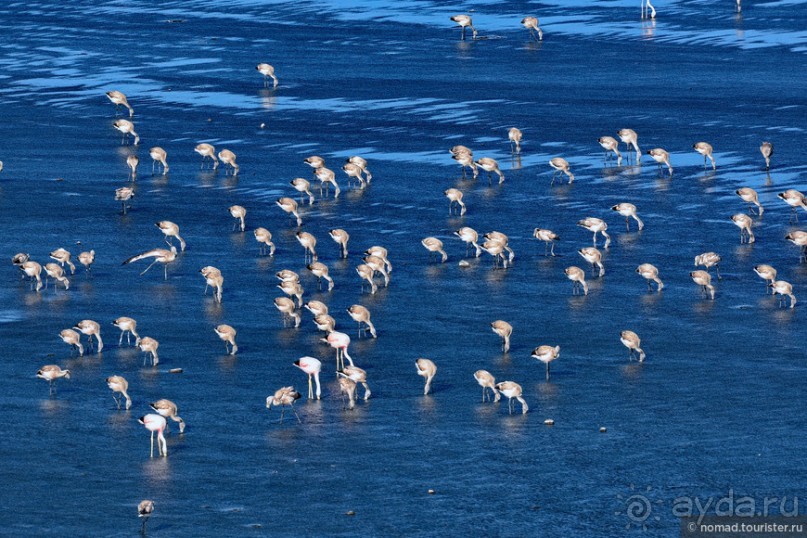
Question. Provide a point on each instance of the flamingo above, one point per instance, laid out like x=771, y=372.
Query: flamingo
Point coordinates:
x=264, y=237
x=320, y=270
x=630, y=138
x=213, y=277
x=487, y=381
x=155, y=423
x=595, y=225
x=340, y=342
x=794, y=199
x=268, y=72
x=378, y=265
x=705, y=149
x=207, y=150
x=799, y=238
x=238, y=212
x=511, y=389
x=56, y=272
x=227, y=334
x=289, y=205
x=148, y=346
x=91, y=328
x=593, y=256
x=34, y=271
x=119, y=384
x=744, y=223
x=63, y=257
x=312, y=368
x=750, y=196
x=341, y=237
x=309, y=243
x=159, y=155
x=783, y=288
x=515, y=135
x=347, y=387
x=228, y=158
x=464, y=21
x=354, y=170
x=709, y=259
x=316, y=307
x=578, y=277
x=767, y=273
x=127, y=326
x=51, y=373
x=470, y=237
x=455, y=196
x=288, y=308
x=123, y=195
x=767, y=150
x=628, y=210
x=661, y=156
x=490, y=165
x=645, y=6
x=704, y=280
x=466, y=160
x=380, y=252
x=504, y=330
x=548, y=237
x=610, y=144
x=171, y=230
x=126, y=128
x=87, y=259
x=632, y=341
x=426, y=368
x=325, y=323
x=303, y=186
x=361, y=163
x=326, y=177
x=71, y=337
x=144, y=510
x=293, y=289
x=649, y=272
x=119, y=98
x=531, y=24
x=132, y=162
x=160, y=255
x=357, y=375
x=546, y=354
x=360, y=315
x=559, y=164
x=432, y=244
x=168, y=409
x=285, y=396
x=366, y=273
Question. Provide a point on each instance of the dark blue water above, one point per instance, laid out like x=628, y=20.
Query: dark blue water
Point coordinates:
x=716, y=408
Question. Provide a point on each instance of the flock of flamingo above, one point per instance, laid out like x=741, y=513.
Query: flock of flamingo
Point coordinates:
x=375, y=264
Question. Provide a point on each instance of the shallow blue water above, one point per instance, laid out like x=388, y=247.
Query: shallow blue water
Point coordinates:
x=717, y=406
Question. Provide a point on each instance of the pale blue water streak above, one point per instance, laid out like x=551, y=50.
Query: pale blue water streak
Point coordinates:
x=716, y=407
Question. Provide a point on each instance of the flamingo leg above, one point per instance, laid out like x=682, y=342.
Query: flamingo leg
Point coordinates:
x=149, y=267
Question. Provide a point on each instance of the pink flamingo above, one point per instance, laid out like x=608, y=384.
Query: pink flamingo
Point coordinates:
x=339, y=341
x=155, y=423
x=312, y=367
